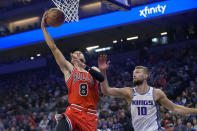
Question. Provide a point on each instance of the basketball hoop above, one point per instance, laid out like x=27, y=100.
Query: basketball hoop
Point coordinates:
x=70, y=9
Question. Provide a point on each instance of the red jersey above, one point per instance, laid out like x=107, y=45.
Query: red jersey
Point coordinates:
x=82, y=89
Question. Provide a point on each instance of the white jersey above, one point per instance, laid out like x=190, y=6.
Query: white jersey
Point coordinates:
x=144, y=111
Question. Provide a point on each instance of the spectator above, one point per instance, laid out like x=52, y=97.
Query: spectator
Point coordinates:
x=174, y=120
x=113, y=106
x=104, y=128
x=170, y=127
x=125, y=122
x=116, y=126
x=190, y=127
x=195, y=124
x=180, y=126
x=178, y=101
x=1, y=126
x=44, y=123
x=193, y=87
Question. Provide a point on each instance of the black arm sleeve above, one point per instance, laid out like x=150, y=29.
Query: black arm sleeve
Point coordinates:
x=97, y=75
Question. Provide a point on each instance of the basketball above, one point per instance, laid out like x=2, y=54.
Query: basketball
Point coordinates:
x=55, y=17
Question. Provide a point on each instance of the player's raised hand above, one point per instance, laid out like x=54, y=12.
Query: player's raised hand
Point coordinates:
x=103, y=64
x=43, y=22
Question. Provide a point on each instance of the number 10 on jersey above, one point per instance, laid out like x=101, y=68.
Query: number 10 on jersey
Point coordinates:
x=142, y=111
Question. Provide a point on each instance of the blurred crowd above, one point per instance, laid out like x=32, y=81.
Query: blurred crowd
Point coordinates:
x=15, y=4
x=4, y=31
x=30, y=99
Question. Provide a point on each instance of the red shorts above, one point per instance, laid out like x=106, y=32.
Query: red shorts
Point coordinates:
x=81, y=119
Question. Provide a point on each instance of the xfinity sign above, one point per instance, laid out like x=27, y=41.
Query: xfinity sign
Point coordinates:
x=152, y=10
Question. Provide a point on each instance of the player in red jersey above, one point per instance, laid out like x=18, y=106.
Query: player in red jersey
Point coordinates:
x=82, y=86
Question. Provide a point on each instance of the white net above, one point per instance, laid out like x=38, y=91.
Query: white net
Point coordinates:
x=70, y=9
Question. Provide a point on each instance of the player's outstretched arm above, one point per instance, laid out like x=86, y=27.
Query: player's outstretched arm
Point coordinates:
x=65, y=66
x=164, y=101
x=125, y=93
x=116, y=92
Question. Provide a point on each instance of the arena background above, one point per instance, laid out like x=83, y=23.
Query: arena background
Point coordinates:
x=32, y=88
